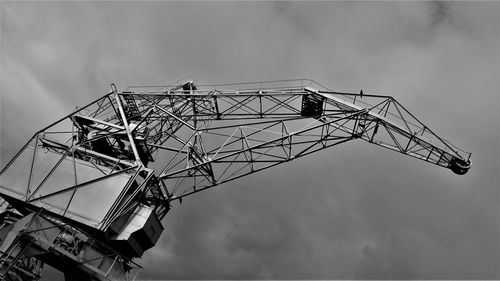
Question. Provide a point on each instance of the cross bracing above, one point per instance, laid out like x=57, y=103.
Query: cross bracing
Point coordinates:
x=194, y=137
x=109, y=171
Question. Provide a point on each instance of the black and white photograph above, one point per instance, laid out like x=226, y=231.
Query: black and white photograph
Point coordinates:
x=249, y=140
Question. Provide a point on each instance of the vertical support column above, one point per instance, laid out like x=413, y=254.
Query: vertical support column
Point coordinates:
x=126, y=125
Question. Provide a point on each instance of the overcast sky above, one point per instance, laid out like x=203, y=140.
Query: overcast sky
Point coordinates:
x=354, y=211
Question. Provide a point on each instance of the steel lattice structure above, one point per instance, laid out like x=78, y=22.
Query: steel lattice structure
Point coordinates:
x=106, y=174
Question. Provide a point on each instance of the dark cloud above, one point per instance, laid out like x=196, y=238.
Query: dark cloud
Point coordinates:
x=440, y=12
x=355, y=211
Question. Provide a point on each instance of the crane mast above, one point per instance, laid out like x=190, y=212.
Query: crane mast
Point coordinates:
x=87, y=193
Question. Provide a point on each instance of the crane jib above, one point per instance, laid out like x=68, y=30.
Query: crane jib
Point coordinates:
x=449, y=159
x=88, y=192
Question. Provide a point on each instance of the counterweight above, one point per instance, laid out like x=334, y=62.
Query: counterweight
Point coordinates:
x=87, y=194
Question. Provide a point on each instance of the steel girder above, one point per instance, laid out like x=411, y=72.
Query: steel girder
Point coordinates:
x=149, y=146
x=190, y=137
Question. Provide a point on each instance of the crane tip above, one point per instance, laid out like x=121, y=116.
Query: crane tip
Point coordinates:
x=459, y=166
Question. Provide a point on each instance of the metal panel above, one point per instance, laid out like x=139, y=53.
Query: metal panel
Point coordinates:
x=64, y=185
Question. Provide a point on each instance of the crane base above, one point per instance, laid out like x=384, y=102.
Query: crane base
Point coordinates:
x=37, y=236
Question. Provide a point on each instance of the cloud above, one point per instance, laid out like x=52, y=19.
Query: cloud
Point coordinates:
x=355, y=211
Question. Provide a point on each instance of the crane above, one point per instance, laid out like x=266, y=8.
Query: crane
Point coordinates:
x=87, y=193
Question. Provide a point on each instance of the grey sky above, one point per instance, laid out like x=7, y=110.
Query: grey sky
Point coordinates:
x=355, y=211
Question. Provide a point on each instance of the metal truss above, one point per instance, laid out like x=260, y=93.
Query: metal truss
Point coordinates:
x=203, y=136
x=149, y=146
x=40, y=237
x=230, y=134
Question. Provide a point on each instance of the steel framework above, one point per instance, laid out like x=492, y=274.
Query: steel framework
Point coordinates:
x=87, y=192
